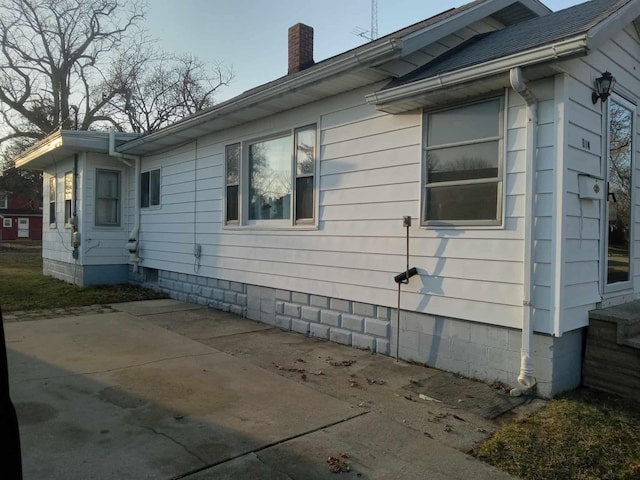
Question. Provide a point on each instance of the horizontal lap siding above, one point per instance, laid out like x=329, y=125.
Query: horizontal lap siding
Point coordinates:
x=56, y=240
x=585, y=146
x=544, y=202
x=105, y=245
x=370, y=168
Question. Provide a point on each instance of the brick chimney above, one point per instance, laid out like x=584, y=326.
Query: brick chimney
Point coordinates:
x=300, y=47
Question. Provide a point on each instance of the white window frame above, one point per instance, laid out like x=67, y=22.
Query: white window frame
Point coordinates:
x=68, y=197
x=152, y=206
x=499, y=180
x=53, y=187
x=617, y=288
x=118, y=200
x=7, y=222
x=243, y=220
x=4, y=200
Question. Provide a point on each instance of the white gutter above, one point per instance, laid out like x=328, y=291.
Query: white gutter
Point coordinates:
x=564, y=48
x=358, y=57
x=132, y=243
x=526, y=377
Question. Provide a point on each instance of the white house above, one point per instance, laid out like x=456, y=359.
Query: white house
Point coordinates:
x=286, y=203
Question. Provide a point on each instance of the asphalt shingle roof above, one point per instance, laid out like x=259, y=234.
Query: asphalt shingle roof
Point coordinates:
x=517, y=38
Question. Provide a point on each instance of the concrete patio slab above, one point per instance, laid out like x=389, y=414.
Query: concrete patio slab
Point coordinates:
x=113, y=397
x=173, y=391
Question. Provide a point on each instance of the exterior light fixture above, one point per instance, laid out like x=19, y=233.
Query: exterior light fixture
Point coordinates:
x=603, y=87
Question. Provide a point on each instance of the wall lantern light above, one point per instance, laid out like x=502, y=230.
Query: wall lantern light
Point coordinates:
x=603, y=87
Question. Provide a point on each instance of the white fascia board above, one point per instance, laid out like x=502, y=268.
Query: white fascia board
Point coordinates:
x=613, y=24
x=49, y=144
x=357, y=58
x=417, y=40
x=573, y=46
x=71, y=141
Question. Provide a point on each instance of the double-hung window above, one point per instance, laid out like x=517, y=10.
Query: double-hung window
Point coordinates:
x=3, y=201
x=68, y=197
x=107, y=198
x=52, y=200
x=150, y=189
x=271, y=181
x=463, y=165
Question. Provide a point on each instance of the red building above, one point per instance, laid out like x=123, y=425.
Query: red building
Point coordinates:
x=19, y=219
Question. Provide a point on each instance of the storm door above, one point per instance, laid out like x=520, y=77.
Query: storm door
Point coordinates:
x=23, y=228
x=618, y=213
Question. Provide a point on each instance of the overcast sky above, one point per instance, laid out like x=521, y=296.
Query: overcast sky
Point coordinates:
x=251, y=35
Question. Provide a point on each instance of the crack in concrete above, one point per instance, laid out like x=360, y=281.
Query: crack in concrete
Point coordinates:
x=257, y=457
x=168, y=437
x=135, y=365
x=265, y=447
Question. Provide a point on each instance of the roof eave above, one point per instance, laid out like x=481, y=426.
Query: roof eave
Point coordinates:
x=359, y=58
x=66, y=142
x=49, y=144
x=390, y=100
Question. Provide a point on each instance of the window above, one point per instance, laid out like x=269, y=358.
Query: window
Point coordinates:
x=3, y=201
x=68, y=197
x=7, y=223
x=52, y=200
x=271, y=181
x=232, y=161
x=463, y=165
x=150, y=189
x=107, y=198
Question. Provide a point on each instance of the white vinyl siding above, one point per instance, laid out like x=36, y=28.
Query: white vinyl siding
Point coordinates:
x=370, y=171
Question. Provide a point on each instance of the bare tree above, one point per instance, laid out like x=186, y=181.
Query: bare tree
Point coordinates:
x=171, y=89
x=86, y=63
x=52, y=51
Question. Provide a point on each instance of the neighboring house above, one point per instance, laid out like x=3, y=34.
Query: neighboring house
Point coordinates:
x=286, y=203
x=19, y=218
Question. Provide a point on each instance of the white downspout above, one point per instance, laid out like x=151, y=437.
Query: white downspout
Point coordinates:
x=526, y=377
x=132, y=243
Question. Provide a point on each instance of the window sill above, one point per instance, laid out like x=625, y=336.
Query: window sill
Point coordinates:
x=273, y=228
x=463, y=226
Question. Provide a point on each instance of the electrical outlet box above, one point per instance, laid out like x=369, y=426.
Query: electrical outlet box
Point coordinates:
x=590, y=187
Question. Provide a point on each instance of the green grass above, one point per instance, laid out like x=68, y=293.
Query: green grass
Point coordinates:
x=585, y=435
x=23, y=287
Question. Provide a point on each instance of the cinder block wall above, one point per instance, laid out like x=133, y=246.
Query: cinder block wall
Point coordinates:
x=484, y=352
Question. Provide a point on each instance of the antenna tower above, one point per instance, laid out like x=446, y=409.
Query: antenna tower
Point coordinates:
x=374, y=20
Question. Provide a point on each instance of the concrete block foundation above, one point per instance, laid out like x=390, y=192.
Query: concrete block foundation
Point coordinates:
x=484, y=352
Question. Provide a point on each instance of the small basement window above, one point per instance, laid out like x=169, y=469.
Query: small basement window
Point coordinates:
x=150, y=275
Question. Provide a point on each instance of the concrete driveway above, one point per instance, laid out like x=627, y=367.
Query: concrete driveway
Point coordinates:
x=144, y=393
